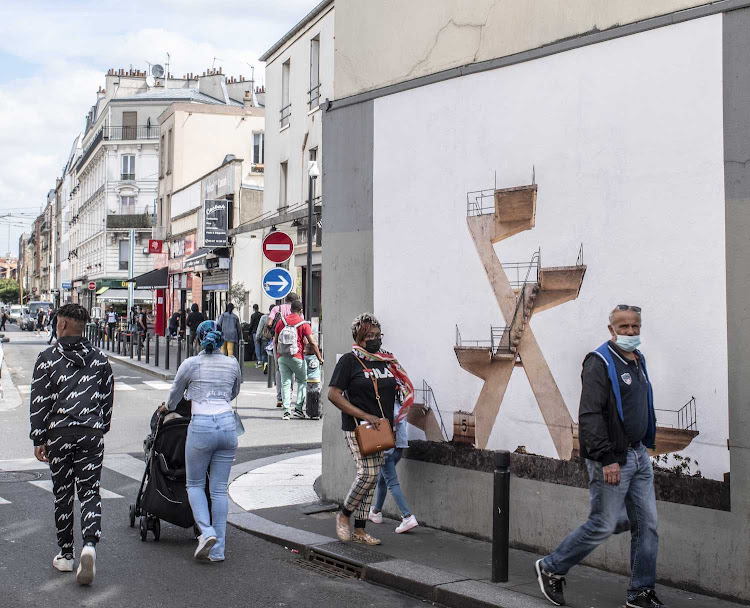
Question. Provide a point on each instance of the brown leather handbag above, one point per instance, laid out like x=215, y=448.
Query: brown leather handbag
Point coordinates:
x=372, y=440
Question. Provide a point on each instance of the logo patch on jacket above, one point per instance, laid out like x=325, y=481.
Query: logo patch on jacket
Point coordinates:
x=626, y=378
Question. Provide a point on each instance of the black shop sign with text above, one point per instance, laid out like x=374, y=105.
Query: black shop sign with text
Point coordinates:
x=215, y=223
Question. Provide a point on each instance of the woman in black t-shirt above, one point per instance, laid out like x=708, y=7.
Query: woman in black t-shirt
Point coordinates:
x=351, y=390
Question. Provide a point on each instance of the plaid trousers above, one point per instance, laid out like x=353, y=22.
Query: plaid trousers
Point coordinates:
x=359, y=498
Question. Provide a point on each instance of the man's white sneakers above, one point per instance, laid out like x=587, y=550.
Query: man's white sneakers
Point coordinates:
x=62, y=563
x=205, y=544
x=407, y=524
x=86, y=566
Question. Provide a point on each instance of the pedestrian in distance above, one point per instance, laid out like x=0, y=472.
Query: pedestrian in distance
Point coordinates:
x=274, y=317
x=174, y=324
x=263, y=335
x=41, y=317
x=388, y=482
x=72, y=393
x=292, y=332
x=111, y=323
x=3, y=319
x=142, y=321
x=616, y=423
x=210, y=381
x=254, y=322
x=183, y=322
x=194, y=319
x=52, y=327
x=229, y=326
x=364, y=386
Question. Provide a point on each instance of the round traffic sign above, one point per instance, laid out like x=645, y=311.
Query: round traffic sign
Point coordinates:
x=92, y=285
x=278, y=246
x=277, y=283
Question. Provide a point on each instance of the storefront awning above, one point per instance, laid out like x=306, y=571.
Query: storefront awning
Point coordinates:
x=101, y=290
x=197, y=259
x=121, y=295
x=155, y=279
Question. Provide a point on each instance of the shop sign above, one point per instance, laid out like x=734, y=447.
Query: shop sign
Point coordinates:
x=67, y=285
x=154, y=246
x=175, y=265
x=215, y=222
x=220, y=182
x=177, y=250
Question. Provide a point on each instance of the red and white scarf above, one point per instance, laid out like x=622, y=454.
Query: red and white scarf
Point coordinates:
x=399, y=373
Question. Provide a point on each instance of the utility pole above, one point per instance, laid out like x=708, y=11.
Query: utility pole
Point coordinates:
x=131, y=264
x=313, y=173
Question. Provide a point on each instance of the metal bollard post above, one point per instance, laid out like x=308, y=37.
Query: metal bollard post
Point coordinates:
x=119, y=341
x=148, y=344
x=156, y=350
x=271, y=369
x=241, y=354
x=501, y=517
x=179, y=350
x=166, y=356
x=131, y=344
x=140, y=345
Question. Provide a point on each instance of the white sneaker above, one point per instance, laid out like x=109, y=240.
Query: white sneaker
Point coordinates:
x=205, y=544
x=376, y=518
x=86, y=566
x=407, y=524
x=62, y=563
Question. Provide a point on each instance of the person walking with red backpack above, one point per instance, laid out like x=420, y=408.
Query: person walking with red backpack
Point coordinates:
x=291, y=333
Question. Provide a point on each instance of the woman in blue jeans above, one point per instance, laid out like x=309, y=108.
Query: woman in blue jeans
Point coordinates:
x=388, y=481
x=210, y=381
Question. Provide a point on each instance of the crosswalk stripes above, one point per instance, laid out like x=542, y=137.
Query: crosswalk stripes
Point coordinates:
x=119, y=386
x=46, y=484
x=23, y=464
x=158, y=385
x=3, y=501
x=125, y=464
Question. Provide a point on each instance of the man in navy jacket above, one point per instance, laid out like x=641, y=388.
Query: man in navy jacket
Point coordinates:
x=616, y=425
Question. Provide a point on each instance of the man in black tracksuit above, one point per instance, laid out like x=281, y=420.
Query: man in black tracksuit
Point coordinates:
x=72, y=393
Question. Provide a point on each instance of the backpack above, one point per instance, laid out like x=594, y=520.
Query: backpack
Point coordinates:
x=288, y=344
x=267, y=332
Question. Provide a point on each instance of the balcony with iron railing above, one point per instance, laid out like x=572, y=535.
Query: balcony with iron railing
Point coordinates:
x=130, y=133
x=127, y=177
x=313, y=100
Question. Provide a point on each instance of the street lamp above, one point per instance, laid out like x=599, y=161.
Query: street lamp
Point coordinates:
x=313, y=172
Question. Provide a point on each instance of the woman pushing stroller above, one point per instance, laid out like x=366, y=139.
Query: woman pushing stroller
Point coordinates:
x=210, y=381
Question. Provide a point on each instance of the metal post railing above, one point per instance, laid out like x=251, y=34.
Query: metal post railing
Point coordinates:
x=130, y=335
x=166, y=355
x=140, y=345
x=501, y=517
x=271, y=369
x=156, y=350
x=148, y=348
x=179, y=351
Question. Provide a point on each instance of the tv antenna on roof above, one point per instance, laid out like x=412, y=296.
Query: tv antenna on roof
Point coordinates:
x=157, y=71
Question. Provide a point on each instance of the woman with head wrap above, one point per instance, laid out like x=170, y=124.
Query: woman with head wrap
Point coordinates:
x=210, y=381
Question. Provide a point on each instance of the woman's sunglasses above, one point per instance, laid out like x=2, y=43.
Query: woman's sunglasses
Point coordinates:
x=628, y=307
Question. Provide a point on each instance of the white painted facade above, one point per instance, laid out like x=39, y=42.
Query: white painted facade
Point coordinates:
x=626, y=141
x=291, y=143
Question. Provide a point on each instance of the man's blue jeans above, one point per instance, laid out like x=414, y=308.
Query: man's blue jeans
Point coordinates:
x=636, y=493
x=388, y=480
x=211, y=444
x=261, y=356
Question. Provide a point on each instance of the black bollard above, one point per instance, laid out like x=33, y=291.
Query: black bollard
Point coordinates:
x=166, y=355
x=130, y=339
x=501, y=517
x=148, y=345
x=140, y=345
x=156, y=350
x=241, y=354
x=179, y=351
x=271, y=369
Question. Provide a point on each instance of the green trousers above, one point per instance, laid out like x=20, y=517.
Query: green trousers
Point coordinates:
x=290, y=367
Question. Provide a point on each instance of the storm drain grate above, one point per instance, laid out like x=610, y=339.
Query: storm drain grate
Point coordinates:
x=331, y=566
x=11, y=476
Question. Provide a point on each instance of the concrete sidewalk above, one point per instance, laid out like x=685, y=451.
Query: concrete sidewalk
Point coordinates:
x=434, y=565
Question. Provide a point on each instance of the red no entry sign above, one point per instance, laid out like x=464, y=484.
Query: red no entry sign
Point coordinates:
x=92, y=285
x=278, y=246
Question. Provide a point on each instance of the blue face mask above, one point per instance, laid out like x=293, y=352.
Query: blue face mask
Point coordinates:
x=628, y=343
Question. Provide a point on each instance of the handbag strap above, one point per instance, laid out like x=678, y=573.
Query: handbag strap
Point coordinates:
x=374, y=383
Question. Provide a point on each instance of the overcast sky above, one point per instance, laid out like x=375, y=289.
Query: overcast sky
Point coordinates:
x=54, y=55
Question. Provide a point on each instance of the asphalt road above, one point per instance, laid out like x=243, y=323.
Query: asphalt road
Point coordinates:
x=132, y=573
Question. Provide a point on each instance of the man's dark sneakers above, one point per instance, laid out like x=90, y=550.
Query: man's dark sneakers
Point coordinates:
x=645, y=599
x=550, y=584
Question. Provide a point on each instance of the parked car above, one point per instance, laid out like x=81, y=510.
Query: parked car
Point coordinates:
x=15, y=313
x=28, y=320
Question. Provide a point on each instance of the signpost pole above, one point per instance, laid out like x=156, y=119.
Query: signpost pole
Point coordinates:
x=131, y=263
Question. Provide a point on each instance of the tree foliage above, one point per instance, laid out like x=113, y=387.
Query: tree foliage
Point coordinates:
x=237, y=294
x=9, y=291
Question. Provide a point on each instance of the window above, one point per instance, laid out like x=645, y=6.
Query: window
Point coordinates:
x=259, y=148
x=314, y=92
x=286, y=106
x=163, y=162
x=127, y=205
x=282, y=186
x=124, y=254
x=128, y=166
x=129, y=125
x=170, y=151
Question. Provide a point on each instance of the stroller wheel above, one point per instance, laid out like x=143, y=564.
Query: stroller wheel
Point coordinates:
x=157, y=528
x=131, y=513
x=143, y=527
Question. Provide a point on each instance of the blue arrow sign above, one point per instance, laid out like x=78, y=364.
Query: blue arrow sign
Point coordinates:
x=277, y=283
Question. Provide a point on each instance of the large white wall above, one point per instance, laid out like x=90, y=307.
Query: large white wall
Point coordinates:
x=626, y=139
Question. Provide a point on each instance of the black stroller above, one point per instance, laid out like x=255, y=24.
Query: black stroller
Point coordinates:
x=163, y=494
